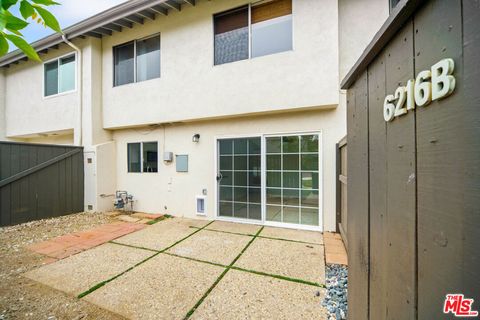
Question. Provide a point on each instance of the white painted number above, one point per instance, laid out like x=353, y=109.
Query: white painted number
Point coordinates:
x=430, y=85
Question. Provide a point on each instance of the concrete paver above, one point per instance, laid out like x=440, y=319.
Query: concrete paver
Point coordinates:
x=80, y=272
x=290, y=259
x=292, y=234
x=212, y=246
x=242, y=295
x=164, y=287
x=243, y=228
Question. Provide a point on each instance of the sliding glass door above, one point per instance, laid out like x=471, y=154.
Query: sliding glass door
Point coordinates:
x=273, y=179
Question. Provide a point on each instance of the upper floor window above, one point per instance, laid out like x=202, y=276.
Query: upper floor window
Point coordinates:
x=137, y=60
x=59, y=75
x=252, y=31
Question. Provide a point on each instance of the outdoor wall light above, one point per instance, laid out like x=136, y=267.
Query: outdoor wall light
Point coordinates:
x=196, y=137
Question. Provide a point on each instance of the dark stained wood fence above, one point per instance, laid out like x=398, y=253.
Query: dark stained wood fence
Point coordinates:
x=39, y=181
x=342, y=216
x=414, y=183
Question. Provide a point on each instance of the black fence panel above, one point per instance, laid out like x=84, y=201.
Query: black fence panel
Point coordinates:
x=39, y=181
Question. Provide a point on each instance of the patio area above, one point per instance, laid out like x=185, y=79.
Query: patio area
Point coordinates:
x=196, y=269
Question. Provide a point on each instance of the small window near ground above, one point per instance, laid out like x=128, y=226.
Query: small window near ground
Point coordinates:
x=137, y=61
x=59, y=75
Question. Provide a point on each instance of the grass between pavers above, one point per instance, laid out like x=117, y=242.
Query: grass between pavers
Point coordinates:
x=199, y=302
x=166, y=216
x=101, y=284
x=271, y=238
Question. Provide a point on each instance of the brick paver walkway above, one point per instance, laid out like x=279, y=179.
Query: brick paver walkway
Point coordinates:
x=70, y=244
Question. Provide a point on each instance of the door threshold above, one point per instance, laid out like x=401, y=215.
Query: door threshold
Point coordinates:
x=271, y=224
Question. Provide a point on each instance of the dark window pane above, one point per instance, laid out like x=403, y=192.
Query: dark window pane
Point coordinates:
x=150, y=157
x=310, y=180
x=134, y=164
x=225, y=209
x=309, y=162
x=227, y=178
x=274, y=145
x=226, y=146
x=309, y=198
x=226, y=162
x=124, y=64
x=274, y=213
x=240, y=210
x=291, y=197
x=254, y=195
x=254, y=163
x=274, y=196
x=274, y=179
x=309, y=143
x=274, y=162
x=254, y=178
x=255, y=211
x=240, y=163
x=148, y=58
x=291, y=180
x=240, y=178
x=254, y=146
x=291, y=162
x=231, y=35
x=291, y=144
x=291, y=215
x=240, y=146
x=240, y=194
x=51, y=78
x=226, y=194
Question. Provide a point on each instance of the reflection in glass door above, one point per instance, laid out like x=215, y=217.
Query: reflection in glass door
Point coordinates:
x=239, y=178
x=292, y=173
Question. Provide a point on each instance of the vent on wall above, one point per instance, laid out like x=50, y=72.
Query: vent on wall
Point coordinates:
x=201, y=205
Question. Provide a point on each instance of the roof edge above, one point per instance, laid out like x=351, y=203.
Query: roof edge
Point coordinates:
x=402, y=12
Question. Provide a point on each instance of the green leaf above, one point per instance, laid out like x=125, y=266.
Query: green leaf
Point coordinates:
x=46, y=2
x=14, y=23
x=3, y=21
x=3, y=45
x=24, y=46
x=48, y=18
x=26, y=9
x=7, y=3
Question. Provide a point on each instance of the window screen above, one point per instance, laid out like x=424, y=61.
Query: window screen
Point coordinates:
x=231, y=35
x=271, y=27
x=51, y=78
x=150, y=157
x=66, y=74
x=148, y=58
x=124, y=64
x=134, y=164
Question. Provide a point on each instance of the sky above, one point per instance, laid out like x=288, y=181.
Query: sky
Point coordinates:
x=68, y=13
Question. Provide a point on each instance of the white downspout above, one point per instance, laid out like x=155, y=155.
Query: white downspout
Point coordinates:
x=79, y=123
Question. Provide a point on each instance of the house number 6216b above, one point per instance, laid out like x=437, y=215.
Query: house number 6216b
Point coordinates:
x=430, y=85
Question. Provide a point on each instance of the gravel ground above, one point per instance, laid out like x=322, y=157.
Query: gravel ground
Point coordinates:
x=22, y=298
x=336, y=298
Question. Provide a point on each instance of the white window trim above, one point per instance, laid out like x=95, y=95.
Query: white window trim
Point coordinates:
x=58, y=67
x=141, y=157
x=134, y=41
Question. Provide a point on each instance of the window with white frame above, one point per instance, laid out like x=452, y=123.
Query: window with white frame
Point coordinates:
x=142, y=157
x=59, y=75
x=136, y=61
x=254, y=30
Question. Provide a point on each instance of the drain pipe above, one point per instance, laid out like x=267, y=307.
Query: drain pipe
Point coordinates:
x=79, y=122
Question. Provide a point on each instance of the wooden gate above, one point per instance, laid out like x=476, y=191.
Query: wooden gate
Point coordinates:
x=342, y=215
x=414, y=182
x=39, y=181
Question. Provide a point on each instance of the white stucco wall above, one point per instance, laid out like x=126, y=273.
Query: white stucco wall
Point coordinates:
x=191, y=87
x=176, y=191
x=27, y=110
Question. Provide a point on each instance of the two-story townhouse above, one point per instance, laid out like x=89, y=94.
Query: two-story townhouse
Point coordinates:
x=221, y=109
